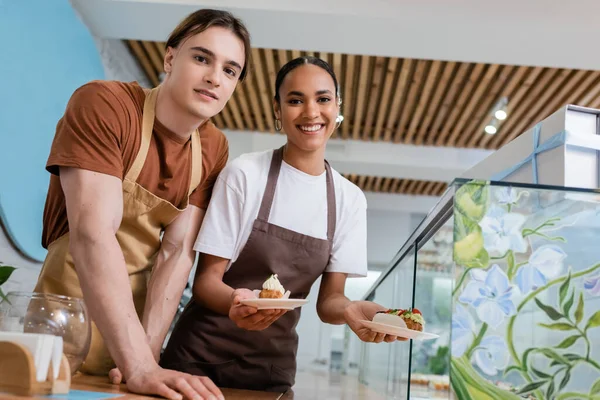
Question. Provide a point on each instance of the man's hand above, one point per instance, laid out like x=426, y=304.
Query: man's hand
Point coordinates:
x=173, y=385
x=250, y=318
x=366, y=310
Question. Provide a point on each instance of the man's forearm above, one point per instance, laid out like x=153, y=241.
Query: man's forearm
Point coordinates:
x=331, y=309
x=107, y=292
x=169, y=277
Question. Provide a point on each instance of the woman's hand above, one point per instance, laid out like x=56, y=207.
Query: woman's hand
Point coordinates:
x=366, y=310
x=250, y=318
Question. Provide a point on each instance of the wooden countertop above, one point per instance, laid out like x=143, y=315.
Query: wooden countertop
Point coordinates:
x=101, y=384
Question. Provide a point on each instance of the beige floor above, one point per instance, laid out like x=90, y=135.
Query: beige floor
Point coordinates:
x=324, y=385
x=331, y=386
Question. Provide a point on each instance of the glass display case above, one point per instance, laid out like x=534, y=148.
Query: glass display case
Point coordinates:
x=508, y=276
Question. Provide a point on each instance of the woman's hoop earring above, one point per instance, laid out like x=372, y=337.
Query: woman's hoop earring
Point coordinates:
x=338, y=121
x=278, y=125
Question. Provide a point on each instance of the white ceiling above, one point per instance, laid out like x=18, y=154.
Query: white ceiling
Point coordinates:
x=552, y=33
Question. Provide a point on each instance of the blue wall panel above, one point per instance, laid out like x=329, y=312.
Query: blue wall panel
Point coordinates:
x=46, y=52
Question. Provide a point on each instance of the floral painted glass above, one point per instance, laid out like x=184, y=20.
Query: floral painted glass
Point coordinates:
x=526, y=299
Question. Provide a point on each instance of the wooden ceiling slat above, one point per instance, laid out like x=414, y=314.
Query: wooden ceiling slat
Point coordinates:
x=347, y=96
x=337, y=68
x=428, y=189
x=218, y=121
x=155, y=58
x=271, y=70
x=353, y=178
x=399, y=94
x=512, y=83
x=283, y=58
x=403, y=186
x=232, y=104
x=411, y=99
x=394, y=185
x=591, y=81
x=244, y=107
x=591, y=95
x=227, y=117
x=263, y=90
x=160, y=48
x=544, y=100
x=524, y=111
x=142, y=58
x=391, y=72
x=385, y=186
x=459, y=135
x=271, y=76
x=295, y=54
x=448, y=103
x=436, y=99
x=410, y=188
x=360, y=96
x=459, y=106
x=252, y=91
x=420, y=186
x=369, y=184
x=567, y=93
x=441, y=189
x=515, y=104
x=377, y=184
x=361, y=181
x=374, y=101
x=424, y=102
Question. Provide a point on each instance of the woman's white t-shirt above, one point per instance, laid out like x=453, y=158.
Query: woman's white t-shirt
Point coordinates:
x=300, y=204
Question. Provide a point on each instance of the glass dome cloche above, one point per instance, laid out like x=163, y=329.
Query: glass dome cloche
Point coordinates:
x=52, y=314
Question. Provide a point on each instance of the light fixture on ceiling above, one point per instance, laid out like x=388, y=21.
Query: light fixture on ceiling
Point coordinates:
x=500, y=109
x=492, y=127
x=499, y=114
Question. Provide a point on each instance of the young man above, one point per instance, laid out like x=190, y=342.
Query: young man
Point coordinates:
x=129, y=165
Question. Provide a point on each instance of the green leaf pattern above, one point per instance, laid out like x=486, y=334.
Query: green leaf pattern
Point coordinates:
x=545, y=371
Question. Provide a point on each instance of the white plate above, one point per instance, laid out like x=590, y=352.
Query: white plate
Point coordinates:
x=274, y=304
x=398, y=331
x=284, y=303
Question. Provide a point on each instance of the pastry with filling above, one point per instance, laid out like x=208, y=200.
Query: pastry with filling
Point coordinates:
x=272, y=289
x=412, y=319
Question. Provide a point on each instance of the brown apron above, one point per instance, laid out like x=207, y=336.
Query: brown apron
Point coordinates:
x=207, y=343
x=145, y=216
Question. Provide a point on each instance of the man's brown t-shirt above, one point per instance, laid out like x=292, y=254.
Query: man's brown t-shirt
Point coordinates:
x=101, y=131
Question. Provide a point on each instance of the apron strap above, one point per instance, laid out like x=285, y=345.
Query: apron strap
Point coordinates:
x=331, y=209
x=267, y=200
x=196, y=177
x=147, y=125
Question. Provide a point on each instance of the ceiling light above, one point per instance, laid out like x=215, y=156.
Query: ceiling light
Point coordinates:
x=491, y=129
x=500, y=114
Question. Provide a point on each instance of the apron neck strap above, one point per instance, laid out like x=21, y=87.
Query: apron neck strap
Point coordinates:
x=331, y=209
x=147, y=128
x=269, y=195
x=196, y=177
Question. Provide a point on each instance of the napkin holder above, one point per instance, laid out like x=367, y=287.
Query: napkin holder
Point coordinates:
x=17, y=373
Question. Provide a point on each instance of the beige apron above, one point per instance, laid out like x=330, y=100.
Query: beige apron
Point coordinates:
x=145, y=216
